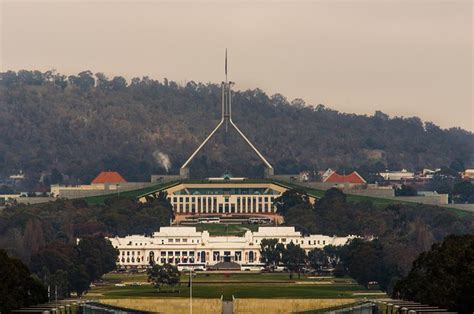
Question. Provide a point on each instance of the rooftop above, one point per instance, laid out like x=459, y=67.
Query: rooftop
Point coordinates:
x=108, y=177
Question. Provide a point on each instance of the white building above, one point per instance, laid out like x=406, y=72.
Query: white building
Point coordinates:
x=186, y=246
x=402, y=175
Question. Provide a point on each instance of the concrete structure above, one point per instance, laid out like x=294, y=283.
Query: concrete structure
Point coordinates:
x=188, y=247
x=79, y=191
x=226, y=122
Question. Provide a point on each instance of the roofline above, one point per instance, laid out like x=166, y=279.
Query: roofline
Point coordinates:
x=203, y=181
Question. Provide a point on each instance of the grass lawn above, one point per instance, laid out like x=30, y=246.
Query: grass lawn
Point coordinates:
x=113, y=278
x=223, y=229
x=100, y=199
x=241, y=290
x=239, y=285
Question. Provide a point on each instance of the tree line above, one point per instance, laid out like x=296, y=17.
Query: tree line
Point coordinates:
x=44, y=237
x=401, y=231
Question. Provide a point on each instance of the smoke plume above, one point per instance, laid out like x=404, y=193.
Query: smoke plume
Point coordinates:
x=162, y=159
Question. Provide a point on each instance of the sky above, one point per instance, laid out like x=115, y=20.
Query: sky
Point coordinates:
x=405, y=58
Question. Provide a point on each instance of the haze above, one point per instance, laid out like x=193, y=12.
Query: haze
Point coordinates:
x=405, y=58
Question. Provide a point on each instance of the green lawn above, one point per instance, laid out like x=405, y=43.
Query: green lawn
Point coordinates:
x=240, y=290
x=223, y=229
x=239, y=285
x=228, y=277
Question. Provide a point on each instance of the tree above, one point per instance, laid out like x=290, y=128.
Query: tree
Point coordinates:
x=463, y=191
x=167, y=274
x=406, y=190
x=443, y=276
x=56, y=177
x=317, y=259
x=457, y=165
x=294, y=258
x=366, y=261
x=290, y=199
x=4, y=189
x=98, y=256
x=83, y=263
x=17, y=287
x=84, y=80
x=79, y=280
x=270, y=252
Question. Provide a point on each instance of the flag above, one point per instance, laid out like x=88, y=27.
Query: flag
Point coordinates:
x=226, y=61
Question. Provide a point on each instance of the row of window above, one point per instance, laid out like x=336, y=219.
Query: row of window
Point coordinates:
x=187, y=256
x=314, y=242
x=209, y=200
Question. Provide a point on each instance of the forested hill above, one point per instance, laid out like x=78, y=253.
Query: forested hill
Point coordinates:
x=85, y=123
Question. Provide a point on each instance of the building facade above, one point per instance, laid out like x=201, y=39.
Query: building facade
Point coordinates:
x=186, y=246
x=216, y=196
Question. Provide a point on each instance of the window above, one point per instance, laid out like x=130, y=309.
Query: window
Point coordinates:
x=177, y=253
x=238, y=256
x=170, y=240
x=324, y=242
x=163, y=253
x=283, y=240
x=185, y=240
x=177, y=240
x=216, y=256
x=185, y=253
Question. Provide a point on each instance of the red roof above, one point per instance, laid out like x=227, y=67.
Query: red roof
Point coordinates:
x=108, y=177
x=353, y=177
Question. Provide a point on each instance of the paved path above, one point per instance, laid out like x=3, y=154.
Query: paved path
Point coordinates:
x=227, y=307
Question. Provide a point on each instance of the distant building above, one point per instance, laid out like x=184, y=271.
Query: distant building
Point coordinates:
x=224, y=196
x=107, y=182
x=468, y=174
x=352, y=178
x=17, y=176
x=186, y=247
x=403, y=175
x=108, y=177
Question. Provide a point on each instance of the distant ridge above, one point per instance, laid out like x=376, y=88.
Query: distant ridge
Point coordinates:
x=85, y=123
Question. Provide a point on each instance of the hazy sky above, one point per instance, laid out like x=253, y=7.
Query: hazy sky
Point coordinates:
x=402, y=57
